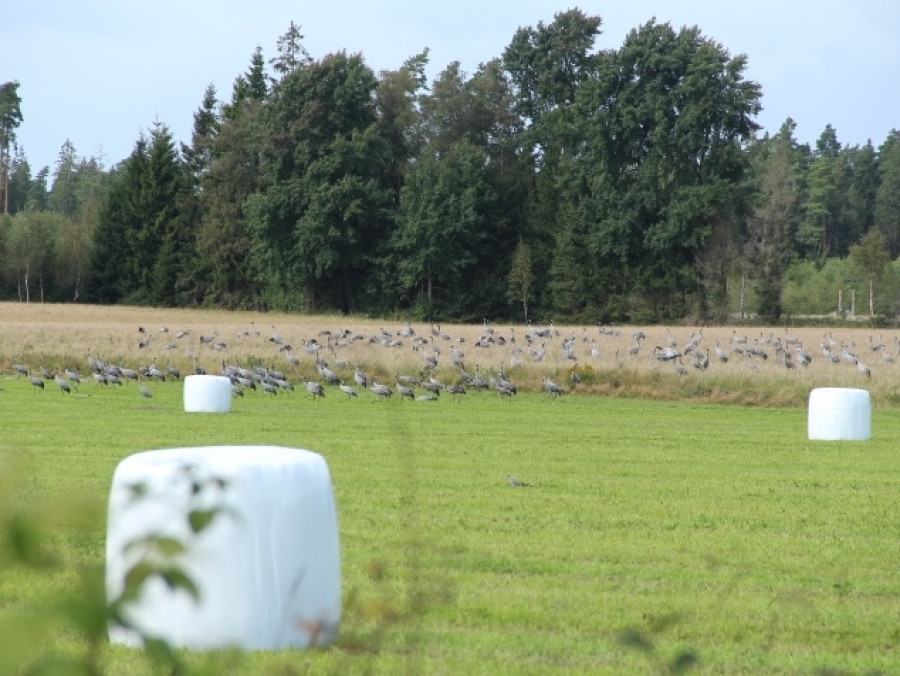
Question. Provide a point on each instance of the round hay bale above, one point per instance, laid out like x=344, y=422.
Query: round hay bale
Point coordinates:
x=259, y=531
x=840, y=414
x=207, y=394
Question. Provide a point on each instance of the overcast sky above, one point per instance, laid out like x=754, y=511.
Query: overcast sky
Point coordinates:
x=100, y=72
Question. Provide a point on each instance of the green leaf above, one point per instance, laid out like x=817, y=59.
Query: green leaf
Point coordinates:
x=24, y=538
x=135, y=578
x=200, y=519
x=176, y=578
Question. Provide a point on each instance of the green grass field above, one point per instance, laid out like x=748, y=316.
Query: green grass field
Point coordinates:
x=653, y=535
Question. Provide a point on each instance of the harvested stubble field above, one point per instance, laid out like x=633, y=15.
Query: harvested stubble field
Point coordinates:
x=660, y=529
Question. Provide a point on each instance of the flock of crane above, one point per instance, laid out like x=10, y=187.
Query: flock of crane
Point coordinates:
x=483, y=360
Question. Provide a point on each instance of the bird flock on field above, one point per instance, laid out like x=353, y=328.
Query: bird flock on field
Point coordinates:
x=449, y=366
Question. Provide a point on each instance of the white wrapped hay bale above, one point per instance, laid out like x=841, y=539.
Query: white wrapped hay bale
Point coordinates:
x=260, y=532
x=207, y=394
x=840, y=414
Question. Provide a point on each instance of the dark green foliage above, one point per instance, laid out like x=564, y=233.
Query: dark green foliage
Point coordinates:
x=443, y=225
x=887, y=199
x=631, y=176
x=660, y=160
x=318, y=225
x=773, y=219
x=21, y=183
x=143, y=243
x=10, y=119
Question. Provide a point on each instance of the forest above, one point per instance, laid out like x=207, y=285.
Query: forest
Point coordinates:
x=558, y=181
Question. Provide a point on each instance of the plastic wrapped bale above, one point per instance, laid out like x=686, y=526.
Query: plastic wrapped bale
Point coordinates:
x=207, y=394
x=252, y=528
x=840, y=414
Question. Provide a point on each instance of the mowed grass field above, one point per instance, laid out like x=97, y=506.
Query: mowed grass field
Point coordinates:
x=655, y=532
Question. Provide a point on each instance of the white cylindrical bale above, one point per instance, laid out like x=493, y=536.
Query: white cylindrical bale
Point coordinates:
x=267, y=567
x=207, y=394
x=839, y=414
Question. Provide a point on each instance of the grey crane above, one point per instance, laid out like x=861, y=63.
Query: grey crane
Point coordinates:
x=381, y=391
x=326, y=373
x=315, y=389
x=701, y=360
x=349, y=391
x=553, y=390
x=478, y=381
x=721, y=354
x=147, y=394
x=63, y=384
x=37, y=382
x=456, y=391
x=515, y=482
x=503, y=391
x=666, y=353
x=405, y=392
x=73, y=377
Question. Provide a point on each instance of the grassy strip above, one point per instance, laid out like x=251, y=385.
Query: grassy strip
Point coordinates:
x=651, y=530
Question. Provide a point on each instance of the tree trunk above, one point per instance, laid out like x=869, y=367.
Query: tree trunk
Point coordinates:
x=871, y=300
x=429, y=290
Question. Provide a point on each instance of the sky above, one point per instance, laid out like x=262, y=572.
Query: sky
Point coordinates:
x=99, y=73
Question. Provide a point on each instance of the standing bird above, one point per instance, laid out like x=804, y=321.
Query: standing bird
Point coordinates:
x=381, y=391
x=73, y=377
x=721, y=354
x=63, y=384
x=315, y=389
x=552, y=388
x=349, y=391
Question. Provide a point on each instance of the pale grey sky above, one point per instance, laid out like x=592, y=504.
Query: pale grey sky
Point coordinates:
x=99, y=72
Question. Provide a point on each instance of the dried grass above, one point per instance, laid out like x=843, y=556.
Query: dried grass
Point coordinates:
x=58, y=336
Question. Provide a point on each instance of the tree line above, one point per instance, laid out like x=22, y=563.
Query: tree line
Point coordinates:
x=557, y=180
